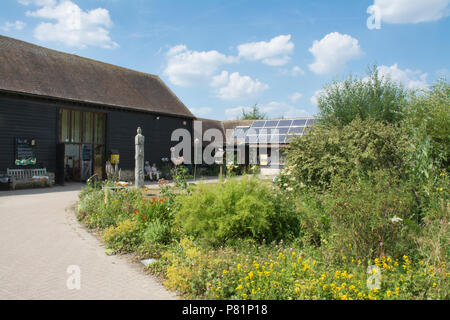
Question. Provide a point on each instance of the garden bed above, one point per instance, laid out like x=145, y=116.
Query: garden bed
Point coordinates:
x=201, y=262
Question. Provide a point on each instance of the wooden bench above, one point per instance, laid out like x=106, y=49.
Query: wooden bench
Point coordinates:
x=28, y=175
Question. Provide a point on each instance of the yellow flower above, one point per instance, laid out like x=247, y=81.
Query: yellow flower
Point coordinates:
x=250, y=275
x=239, y=266
x=434, y=284
x=225, y=271
x=389, y=293
x=239, y=287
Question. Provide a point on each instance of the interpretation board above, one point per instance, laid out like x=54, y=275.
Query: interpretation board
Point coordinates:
x=25, y=151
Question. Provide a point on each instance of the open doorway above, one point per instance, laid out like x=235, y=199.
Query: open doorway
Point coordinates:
x=83, y=136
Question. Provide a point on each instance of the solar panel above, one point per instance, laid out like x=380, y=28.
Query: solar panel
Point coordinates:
x=296, y=130
x=271, y=123
x=277, y=131
x=258, y=124
x=283, y=130
x=299, y=123
x=284, y=123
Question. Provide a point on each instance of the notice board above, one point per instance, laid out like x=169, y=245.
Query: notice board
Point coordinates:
x=25, y=151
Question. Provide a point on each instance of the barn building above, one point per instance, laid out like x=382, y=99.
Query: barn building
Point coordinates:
x=68, y=114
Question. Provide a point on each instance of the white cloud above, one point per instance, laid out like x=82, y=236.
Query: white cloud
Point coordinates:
x=189, y=68
x=73, y=27
x=315, y=98
x=275, y=109
x=38, y=2
x=295, y=71
x=296, y=96
x=410, y=11
x=234, y=113
x=276, y=52
x=333, y=52
x=236, y=87
x=409, y=78
x=201, y=112
x=8, y=26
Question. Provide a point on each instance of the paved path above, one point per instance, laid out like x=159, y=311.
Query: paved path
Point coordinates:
x=40, y=238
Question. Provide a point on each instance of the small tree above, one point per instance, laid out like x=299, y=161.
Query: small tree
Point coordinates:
x=253, y=114
x=373, y=97
x=428, y=115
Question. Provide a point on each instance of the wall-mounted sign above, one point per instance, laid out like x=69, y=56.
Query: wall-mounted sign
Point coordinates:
x=25, y=151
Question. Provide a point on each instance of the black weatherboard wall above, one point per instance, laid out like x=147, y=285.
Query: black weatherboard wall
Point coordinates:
x=21, y=117
x=37, y=118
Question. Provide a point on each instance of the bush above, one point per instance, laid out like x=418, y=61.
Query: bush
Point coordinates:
x=376, y=97
x=237, y=208
x=429, y=114
x=371, y=217
x=123, y=238
x=157, y=232
x=362, y=146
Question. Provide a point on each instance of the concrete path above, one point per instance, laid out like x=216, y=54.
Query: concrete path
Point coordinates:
x=40, y=239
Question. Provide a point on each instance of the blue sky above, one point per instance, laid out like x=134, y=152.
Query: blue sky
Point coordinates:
x=221, y=56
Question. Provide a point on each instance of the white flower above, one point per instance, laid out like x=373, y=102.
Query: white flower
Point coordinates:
x=396, y=219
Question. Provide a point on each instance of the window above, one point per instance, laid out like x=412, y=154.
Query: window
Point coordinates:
x=88, y=131
x=76, y=126
x=99, y=128
x=64, y=115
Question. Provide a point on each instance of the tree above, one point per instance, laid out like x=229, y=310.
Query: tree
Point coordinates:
x=253, y=114
x=428, y=116
x=373, y=97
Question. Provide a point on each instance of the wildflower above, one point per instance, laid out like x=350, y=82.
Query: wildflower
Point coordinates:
x=250, y=275
x=225, y=271
x=239, y=287
x=434, y=284
x=389, y=293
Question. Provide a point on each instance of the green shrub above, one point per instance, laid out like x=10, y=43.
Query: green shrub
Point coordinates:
x=157, y=232
x=376, y=97
x=362, y=146
x=429, y=113
x=371, y=217
x=236, y=208
x=123, y=238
